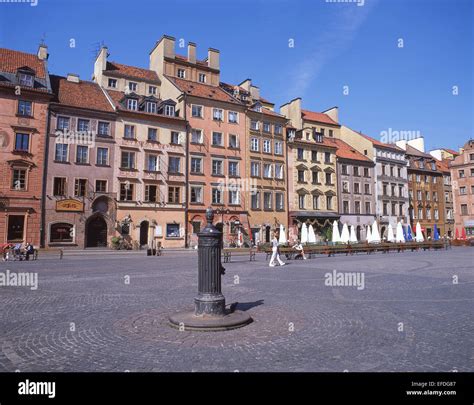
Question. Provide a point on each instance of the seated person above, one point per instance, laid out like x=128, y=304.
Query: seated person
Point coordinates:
x=299, y=247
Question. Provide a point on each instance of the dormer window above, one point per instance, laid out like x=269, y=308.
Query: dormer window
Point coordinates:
x=112, y=83
x=151, y=107
x=26, y=79
x=243, y=97
x=318, y=136
x=169, y=110
x=132, y=104
x=132, y=86
x=257, y=107
x=421, y=164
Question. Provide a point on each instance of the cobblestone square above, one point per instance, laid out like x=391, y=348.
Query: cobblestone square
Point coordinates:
x=108, y=311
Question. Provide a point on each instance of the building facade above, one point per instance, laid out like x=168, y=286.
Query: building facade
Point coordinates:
x=462, y=174
x=25, y=92
x=356, y=193
x=80, y=205
x=312, y=183
x=447, y=196
x=149, y=166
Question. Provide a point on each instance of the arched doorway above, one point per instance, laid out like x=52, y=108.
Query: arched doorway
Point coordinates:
x=144, y=233
x=268, y=238
x=382, y=233
x=96, y=232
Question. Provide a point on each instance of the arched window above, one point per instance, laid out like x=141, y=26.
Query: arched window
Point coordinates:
x=61, y=232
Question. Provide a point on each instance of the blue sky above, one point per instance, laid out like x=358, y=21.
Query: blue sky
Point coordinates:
x=335, y=45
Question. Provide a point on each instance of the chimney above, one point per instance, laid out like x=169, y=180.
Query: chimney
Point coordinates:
x=73, y=77
x=333, y=113
x=254, y=92
x=100, y=64
x=418, y=143
x=213, y=58
x=168, y=46
x=191, y=52
x=43, y=52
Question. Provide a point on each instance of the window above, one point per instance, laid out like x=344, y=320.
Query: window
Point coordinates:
x=62, y=123
x=267, y=170
x=102, y=156
x=202, y=78
x=392, y=188
x=435, y=196
x=217, y=195
x=366, y=172
x=25, y=108
x=132, y=86
x=367, y=189
x=279, y=202
x=356, y=171
x=175, y=138
x=328, y=179
x=331, y=133
x=420, y=213
x=399, y=172
x=421, y=164
x=391, y=170
x=327, y=157
x=196, y=165
x=344, y=170
x=80, y=187
x=254, y=145
x=101, y=186
x=367, y=208
x=267, y=127
x=196, y=194
x=384, y=170
x=126, y=191
x=267, y=201
x=471, y=156
x=129, y=131
x=279, y=171
x=59, y=186
x=345, y=187
x=234, y=197
x=385, y=189
x=61, y=233
x=301, y=176
x=152, y=163
x=26, y=79
x=255, y=169
x=83, y=125
x=82, y=154
x=278, y=148
x=300, y=154
x=301, y=201
x=196, y=111
x=315, y=202
x=233, y=141
x=356, y=188
x=103, y=128
x=315, y=177
x=254, y=125
x=174, y=164
x=152, y=134
x=419, y=195
x=436, y=214
x=394, y=209
x=172, y=231
x=60, y=154
x=132, y=104
x=462, y=190
x=278, y=129
x=357, y=207
x=150, y=193
x=174, y=195
x=217, y=139
x=461, y=174
x=345, y=207
x=385, y=208
x=267, y=146
x=217, y=167
x=128, y=160
x=217, y=114
x=152, y=90
x=428, y=213
x=22, y=142
x=233, y=168
x=400, y=191
x=233, y=117
x=181, y=73
x=169, y=110
x=112, y=83
x=463, y=209
x=329, y=202
x=255, y=200
x=151, y=107
x=196, y=136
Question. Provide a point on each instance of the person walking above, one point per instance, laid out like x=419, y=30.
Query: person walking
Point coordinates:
x=275, y=252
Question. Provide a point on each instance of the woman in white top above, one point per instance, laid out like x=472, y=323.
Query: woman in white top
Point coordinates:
x=275, y=252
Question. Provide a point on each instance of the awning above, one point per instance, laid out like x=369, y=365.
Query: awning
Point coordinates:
x=314, y=214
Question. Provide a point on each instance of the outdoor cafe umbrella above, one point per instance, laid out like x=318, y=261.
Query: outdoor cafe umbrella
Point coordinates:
x=390, y=237
x=282, y=239
x=410, y=236
x=353, y=237
x=400, y=237
x=345, y=234
x=436, y=233
x=457, y=233
x=463, y=234
x=304, y=234
x=311, y=235
x=369, y=235
x=419, y=235
x=335, y=233
x=405, y=233
x=375, y=233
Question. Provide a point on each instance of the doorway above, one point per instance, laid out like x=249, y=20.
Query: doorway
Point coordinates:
x=96, y=232
x=16, y=225
x=144, y=233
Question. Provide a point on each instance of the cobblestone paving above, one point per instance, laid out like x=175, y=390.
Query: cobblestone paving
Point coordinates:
x=300, y=324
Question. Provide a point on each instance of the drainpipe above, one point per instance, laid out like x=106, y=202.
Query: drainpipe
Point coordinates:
x=288, y=192
x=186, y=193
x=45, y=178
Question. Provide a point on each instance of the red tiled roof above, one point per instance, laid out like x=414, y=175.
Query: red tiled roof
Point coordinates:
x=11, y=60
x=443, y=165
x=346, y=151
x=378, y=143
x=453, y=152
x=132, y=71
x=82, y=95
x=203, y=90
x=317, y=117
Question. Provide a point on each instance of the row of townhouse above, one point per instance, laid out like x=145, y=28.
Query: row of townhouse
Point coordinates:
x=142, y=152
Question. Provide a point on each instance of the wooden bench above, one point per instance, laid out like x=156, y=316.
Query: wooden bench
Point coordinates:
x=229, y=252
